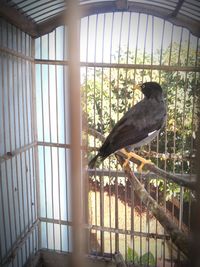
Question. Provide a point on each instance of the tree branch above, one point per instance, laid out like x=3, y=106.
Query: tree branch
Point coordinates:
x=177, y=236
x=151, y=167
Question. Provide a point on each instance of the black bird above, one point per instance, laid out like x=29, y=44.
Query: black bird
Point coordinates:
x=140, y=125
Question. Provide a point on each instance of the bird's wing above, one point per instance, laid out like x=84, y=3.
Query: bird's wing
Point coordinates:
x=143, y=118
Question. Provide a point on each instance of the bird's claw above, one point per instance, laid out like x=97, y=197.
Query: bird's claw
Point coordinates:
x=140, y=167
x=142, y=160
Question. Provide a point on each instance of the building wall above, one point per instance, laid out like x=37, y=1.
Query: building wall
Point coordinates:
x=18, y=208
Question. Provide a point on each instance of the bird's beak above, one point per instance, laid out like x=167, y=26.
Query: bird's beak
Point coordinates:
x=137, y=87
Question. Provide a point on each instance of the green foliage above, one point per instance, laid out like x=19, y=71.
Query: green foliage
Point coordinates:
x=132, y=256
x=145, y=259
x=148, y=259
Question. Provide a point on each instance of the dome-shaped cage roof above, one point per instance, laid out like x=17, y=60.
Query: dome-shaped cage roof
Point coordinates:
x=39, y=17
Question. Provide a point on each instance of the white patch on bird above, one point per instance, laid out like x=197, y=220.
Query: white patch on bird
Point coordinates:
x=152, y=133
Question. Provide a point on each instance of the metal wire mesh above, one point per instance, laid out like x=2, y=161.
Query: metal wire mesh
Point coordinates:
x=117, y=49
x=18, y=205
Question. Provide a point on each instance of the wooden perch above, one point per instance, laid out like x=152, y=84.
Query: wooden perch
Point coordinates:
x=151, y=167
x=178, y=237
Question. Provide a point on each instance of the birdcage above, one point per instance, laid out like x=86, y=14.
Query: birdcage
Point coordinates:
x=67, y=70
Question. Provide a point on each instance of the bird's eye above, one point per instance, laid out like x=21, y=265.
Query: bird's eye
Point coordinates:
x=143, y=86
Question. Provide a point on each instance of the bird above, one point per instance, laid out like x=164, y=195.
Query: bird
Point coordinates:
x=138, y=127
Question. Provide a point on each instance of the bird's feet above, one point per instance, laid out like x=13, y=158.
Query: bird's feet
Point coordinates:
x=143, y=162
x=133, y=155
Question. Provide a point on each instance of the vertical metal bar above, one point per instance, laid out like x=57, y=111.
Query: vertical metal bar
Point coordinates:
x=137, y=38
x=152, y=54
x=35, y=154
x=31, y=170
x=51, y=153
x=75, y=132
x=175, y=116
x=94, y=119
x=65, y=102
x=20, y=62
x=28, y=99
x=102, y=212
x=110, y=115
x=194, y=103
x=32, y=185
x=128, y=41
x=125, y=197
x=145, y=39
x=29, y=189
x=165, y=164
x=141, y=204
x=132, y=188
x=24, y=131
x=28, y=177
x=59, y=203
x=116, y=178
x=10, y=73
x=170, y=51
x=16, y=104
x=87, y=145
x=101, y=178
x=43, y=148
x=18, y=115
x=127, y=58
x=183, y=146
x=126, y=181
x=157, y=145
x=24, y=179
x=136, y=49
x=28, y=169
x=14, y=129
x=162, y=43
x=149, y=146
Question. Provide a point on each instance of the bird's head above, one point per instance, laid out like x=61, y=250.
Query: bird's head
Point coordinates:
x=150, y=89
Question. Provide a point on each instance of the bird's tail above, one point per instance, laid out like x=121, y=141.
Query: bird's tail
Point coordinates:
x=93, y=162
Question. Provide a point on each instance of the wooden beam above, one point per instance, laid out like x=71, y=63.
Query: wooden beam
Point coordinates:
x=176, y=10
x=50, y=24
x=122, y=5
x=16, y=18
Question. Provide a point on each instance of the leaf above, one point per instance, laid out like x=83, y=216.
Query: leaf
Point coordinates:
x=148, y=259
x=132, y=256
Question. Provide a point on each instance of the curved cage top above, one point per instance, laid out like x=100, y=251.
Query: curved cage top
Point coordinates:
x=180, y=12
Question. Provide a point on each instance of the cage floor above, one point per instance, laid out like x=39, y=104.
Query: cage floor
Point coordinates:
x=48, y=258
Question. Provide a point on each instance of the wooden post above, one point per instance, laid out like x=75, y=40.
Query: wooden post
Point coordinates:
x=75, y=132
